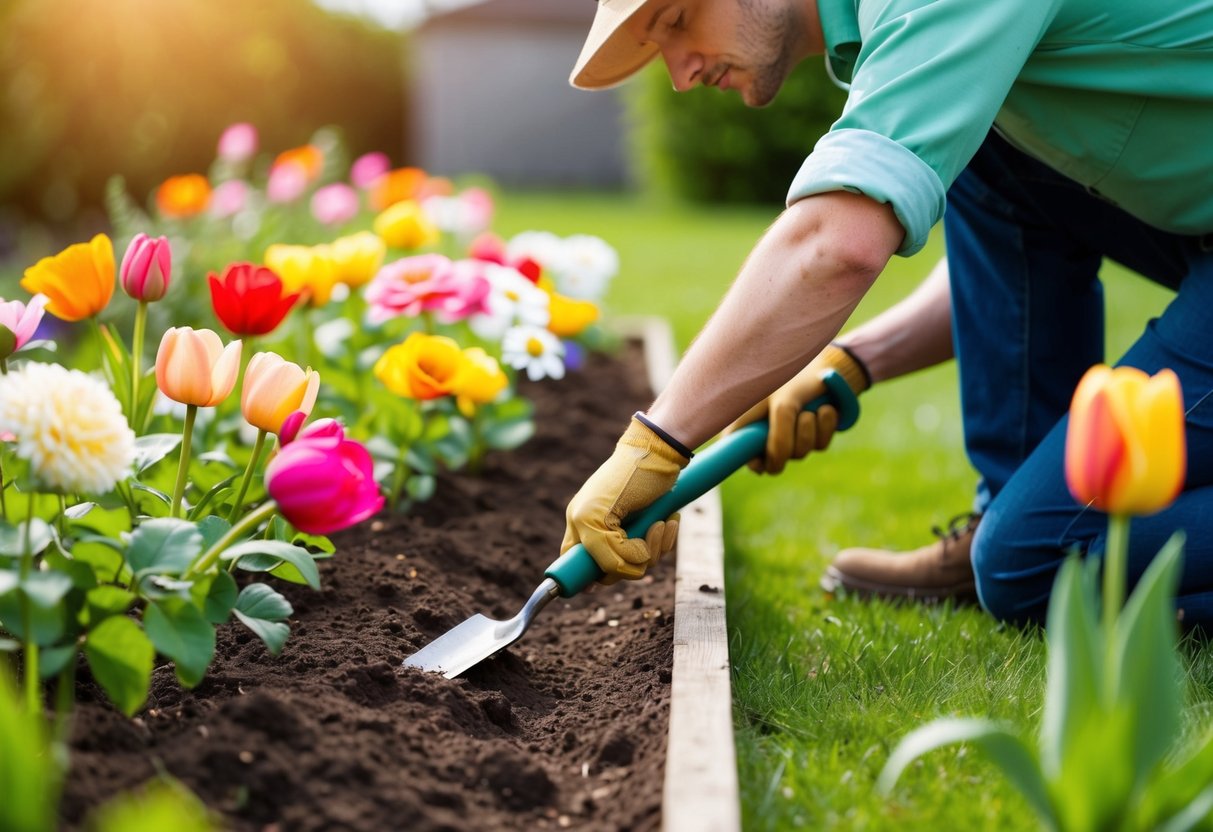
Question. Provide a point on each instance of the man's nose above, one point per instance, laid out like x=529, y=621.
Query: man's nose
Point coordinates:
x=686, y=68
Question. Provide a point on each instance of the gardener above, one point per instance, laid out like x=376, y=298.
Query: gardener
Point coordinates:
x=1056, y=133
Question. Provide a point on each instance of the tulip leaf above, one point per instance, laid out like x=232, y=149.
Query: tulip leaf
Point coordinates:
x=1148, y=673
x=12, y=538
x=212, y=527
x=179, y=630
x=319, y=545
x=1006, y=750
x=263, y=611
x=266, y=555
x=165, y=545
x=1176, y=787
x=154, y=447
x=220, y=598
x=53, y=659
x=121, y=656
x=215, y=494
x=1196, y=813
x=506, y=436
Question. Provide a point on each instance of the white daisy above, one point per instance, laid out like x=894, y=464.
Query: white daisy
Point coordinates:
x=69, y=426
x=588, y=265
x=544, y=247
x=514, y=300
x=535, y=350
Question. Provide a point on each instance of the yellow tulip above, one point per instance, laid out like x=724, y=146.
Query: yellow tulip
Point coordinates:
x=479, y=381
x=422, y=367
x=1125, y=446
x=79, y=281
x=357, y=258
x=193, y=367
x=274, y=388
x=405, y=225
x=310, y=270
x=569, y=316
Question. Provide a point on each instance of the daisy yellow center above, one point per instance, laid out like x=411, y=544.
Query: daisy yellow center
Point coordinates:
x=534, y=347
x=512, y=295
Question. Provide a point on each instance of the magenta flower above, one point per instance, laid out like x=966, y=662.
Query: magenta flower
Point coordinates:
x=238, y=142
x=21, y=319
x=472, y=290
x=335, y=204
x=367, y=168
x=146, y=268
x=323, y=482
x=229, y=198
x=410, y=286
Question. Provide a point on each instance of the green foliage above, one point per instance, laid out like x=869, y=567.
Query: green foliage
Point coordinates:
x=160, y=805
x=708, y=146
x=29, y=778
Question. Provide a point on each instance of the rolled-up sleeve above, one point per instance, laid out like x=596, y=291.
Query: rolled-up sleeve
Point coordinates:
x=927, y=84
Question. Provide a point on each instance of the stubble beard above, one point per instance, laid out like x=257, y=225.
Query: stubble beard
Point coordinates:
x=768, y=28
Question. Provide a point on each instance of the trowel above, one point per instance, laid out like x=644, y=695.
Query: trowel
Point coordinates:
x=478, y=638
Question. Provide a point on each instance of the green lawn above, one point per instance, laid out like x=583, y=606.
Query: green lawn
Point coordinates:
x=823, y=687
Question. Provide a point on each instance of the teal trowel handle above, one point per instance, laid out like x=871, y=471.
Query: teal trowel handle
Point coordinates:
x=575, y=569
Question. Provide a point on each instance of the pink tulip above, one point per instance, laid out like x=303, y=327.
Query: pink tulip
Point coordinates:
x=229, y=198
x=22, y=319
x=366, y=169
x=146, y=267
x=335, y=204
x=238, y=142
x=286, y=183
x=323, y=482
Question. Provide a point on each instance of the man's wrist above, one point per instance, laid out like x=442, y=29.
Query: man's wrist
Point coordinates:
x=846, y=363
x=664, y=435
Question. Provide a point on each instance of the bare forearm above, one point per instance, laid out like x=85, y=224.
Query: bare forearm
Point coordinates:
x=796, y=290
x=913, y=335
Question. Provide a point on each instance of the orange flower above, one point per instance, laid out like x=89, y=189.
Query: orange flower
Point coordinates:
x=1125, y=447
x=183, y=196
x=78, y=280
x=396, y=186
x=309, y=159
x=422, y=367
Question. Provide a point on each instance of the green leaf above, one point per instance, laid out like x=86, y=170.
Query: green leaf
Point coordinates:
x=158, y=507
x=46, y=589
x=179, y=631
x=421, y=460
x=81, y=574
x=216, y=494
x=220, y=598
x=29, y=773
x=165, y=545
x=12, y=538
x=263, y=610
x=47, y=623
x=506, y=436
x=212, y=527
x=104, y=601
x=9, y=581
x=1176, y=786
x=154, y=447
x=102, y=554
x=53, y=659
x=1006, y=750
x=121, y=656
x=265, y=555
x=421, y=487
x=1195, y=813
x=1147, y=672
x=164, y=804
x=319, y=545
x=8, y=341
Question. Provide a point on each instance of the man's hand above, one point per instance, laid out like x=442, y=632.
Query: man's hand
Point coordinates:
x=643, y=467
x=795, y=432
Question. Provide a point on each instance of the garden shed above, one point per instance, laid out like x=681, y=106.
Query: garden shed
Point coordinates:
x=490, y=94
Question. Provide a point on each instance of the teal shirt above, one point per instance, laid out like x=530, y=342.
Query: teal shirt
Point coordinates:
x=1115, y=94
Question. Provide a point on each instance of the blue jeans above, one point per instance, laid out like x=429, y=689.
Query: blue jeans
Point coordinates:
x=1024, y=247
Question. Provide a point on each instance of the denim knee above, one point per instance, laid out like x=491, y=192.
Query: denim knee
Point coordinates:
x=1006, y=589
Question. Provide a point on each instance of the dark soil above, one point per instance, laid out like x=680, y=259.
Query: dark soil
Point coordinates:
x=566, y=729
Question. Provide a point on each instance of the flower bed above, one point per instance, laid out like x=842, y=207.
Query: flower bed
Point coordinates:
x=566, y=728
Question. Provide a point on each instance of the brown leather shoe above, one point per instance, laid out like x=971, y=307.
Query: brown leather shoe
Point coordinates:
x=932, y=573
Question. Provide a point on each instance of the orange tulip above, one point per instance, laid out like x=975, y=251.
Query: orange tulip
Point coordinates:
x=1125, y=447
x=479, y=381
x=309, y=159
x=79, y=281
x=396, y=186
x=274, y=388
x=183, y=196
x=422, y=367
x=193, y=367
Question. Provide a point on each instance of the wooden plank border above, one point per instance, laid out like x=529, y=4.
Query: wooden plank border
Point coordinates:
x=701, y=791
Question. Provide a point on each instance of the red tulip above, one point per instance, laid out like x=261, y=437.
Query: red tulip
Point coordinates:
x=249, y=299
x=323, y=482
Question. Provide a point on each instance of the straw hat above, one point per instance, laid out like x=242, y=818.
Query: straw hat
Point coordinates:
x=611, y=54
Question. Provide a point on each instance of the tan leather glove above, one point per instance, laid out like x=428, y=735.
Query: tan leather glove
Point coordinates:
x=794, y=433
x=643, y=467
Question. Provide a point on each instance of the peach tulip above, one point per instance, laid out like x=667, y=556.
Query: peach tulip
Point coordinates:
x=422, y=367
x=194, y=368
x=1125, y=446
x=79, y=281
x=274, y=388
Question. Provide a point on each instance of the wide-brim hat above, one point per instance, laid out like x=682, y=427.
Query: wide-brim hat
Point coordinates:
x=611, y=54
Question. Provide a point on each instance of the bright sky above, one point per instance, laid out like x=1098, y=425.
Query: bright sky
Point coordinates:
x=393, y=14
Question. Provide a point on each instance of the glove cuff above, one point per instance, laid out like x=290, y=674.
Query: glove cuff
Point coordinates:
x=847, y=364
x=644, y=433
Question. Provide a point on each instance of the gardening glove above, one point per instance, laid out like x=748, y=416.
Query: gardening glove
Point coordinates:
x=643, y=467
x=794, y=432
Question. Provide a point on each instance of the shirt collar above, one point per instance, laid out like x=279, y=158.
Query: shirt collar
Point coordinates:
x=840, y=27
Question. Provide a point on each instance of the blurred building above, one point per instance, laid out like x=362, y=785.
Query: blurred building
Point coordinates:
x=490, y=94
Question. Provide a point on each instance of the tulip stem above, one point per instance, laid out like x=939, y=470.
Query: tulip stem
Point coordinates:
x=1114, y=569
x=238, y=506
x=249, y=522
x=3, y=488
x=401, y=473
x=30, y=648
x=183, y=466
x=136, y=361
x=3, y=366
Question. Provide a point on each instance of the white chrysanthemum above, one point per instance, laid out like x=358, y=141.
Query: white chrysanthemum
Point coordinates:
x=535, y=350
x=69, y=426
x=587, y=266
x=544, y=247
x=513, y=300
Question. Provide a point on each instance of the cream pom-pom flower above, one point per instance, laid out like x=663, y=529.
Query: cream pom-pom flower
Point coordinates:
x=69, y=426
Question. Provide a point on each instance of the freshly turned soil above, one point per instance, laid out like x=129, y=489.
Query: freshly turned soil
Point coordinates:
x=565, y=729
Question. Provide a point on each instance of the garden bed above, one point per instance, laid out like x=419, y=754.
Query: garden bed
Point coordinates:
x=565, y=729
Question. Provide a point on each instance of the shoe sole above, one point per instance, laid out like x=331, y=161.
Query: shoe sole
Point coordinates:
x=833, y=580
